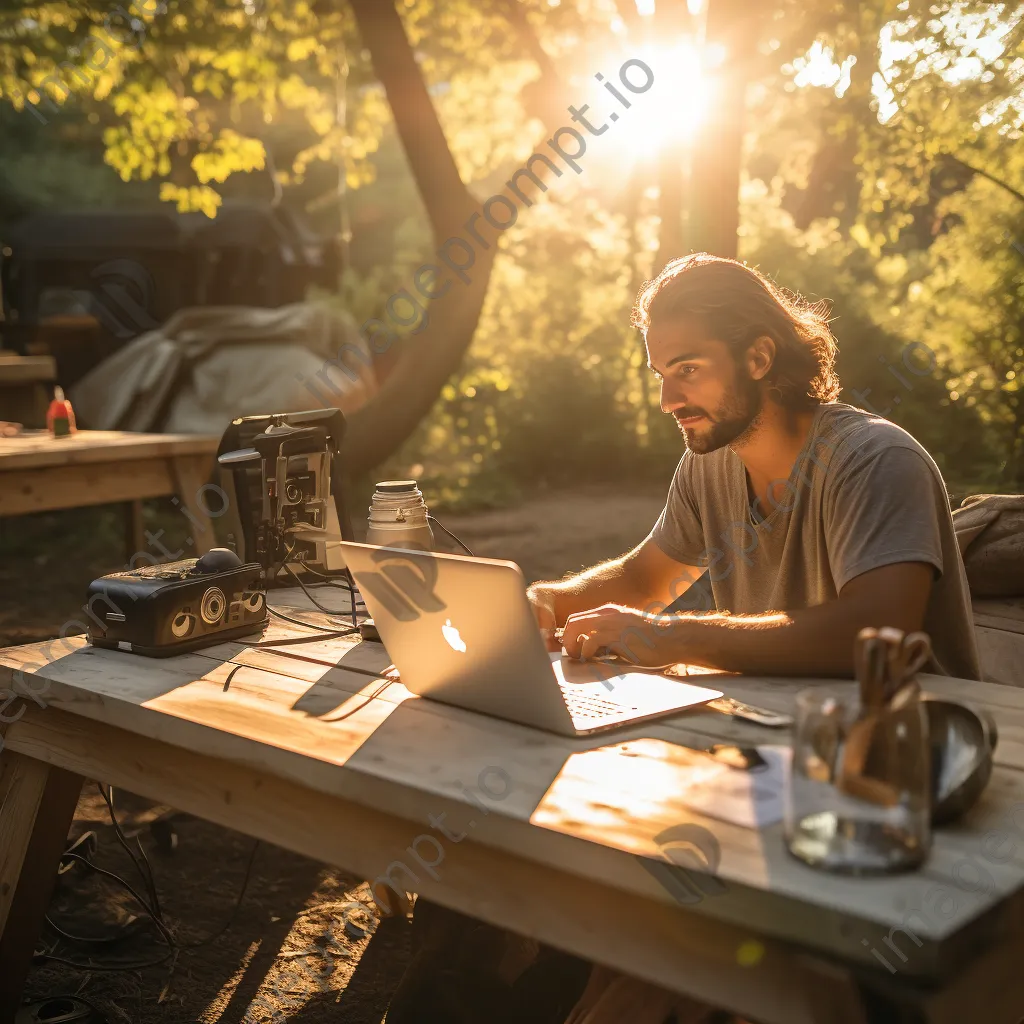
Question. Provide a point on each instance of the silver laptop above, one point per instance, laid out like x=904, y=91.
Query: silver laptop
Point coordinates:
x=460, y=630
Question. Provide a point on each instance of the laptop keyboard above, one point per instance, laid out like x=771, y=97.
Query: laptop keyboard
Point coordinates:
x=586, y=705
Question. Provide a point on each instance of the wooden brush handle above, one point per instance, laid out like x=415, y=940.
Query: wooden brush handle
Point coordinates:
x=872, y=790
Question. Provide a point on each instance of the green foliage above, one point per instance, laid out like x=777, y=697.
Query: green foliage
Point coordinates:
x=882, y=364
x=871, y=198
x=555, y=389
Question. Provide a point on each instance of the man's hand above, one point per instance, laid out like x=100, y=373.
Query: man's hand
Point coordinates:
x=542, y=601
x=625, y=632
x=643, y=577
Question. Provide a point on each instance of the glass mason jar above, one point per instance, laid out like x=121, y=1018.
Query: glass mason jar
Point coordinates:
x=859, y=788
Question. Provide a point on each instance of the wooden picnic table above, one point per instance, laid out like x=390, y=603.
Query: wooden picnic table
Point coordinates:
x=39, y=473
x=25, y=387
x=542, y=834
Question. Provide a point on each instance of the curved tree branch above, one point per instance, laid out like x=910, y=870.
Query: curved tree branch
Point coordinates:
x=985, y=174
x=432, y=354
x=446, y=198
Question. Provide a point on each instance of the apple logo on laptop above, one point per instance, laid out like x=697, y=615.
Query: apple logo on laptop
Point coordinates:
x=451, y=635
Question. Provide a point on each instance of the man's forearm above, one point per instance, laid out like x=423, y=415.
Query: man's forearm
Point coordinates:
x=608, y=583
x=816, y=641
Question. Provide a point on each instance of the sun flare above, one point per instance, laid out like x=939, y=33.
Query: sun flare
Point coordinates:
x=673, y=110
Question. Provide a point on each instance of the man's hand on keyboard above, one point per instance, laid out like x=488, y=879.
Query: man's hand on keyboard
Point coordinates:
x=616, y=631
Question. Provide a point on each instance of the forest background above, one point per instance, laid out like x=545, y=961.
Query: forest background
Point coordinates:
x=866, y=153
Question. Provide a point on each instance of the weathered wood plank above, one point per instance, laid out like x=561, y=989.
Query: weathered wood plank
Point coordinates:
x=1006, y=613
x=1002, y=655
x=37, y=804
x=414, y=758
x=655, y=941
x=59, y=487
x=17, y=369
x=35, y=451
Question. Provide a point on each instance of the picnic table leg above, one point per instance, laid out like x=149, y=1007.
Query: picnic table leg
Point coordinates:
x=191, y=473
x=133, y=539
x=832, y=994
x=37, y=806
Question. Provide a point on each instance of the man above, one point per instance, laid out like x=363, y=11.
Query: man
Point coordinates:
x=796, y=520
x=792, y=520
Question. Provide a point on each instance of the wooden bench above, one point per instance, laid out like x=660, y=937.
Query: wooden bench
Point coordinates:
x=39, y=473
x=24, y=387
x=999, y=627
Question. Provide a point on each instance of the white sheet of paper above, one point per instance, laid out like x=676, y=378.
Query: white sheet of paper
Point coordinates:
x=751, y=799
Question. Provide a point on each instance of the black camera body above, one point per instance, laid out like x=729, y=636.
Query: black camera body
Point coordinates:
x=286, y=480
x=161, y=610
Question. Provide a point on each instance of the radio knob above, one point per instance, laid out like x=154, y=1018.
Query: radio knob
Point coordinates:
x=213, y=606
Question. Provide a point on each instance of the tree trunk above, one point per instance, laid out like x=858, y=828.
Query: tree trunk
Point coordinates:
x=670, y=206
x=834, y=182
x=670, y=23
x=433, y=354
x=447, y=200
x=718, y=148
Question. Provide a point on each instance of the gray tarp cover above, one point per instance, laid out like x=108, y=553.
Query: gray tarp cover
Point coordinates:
x=990, y=535
x=207, y=365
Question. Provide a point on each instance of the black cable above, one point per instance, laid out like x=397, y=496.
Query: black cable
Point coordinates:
x=234, y=910
x=38, y=957
x=443, y=529
x=147, y=874
x=152, y=880
x=74, y=995
x=304, y=639
x=231, y=675
x=343, y=578
x=336, y=584
x=352, y=591
x=99, y=939
x=142, y=903
x=346, y=581
x=309, y=593
x=373, y=696
x=176, y=946
x=83, y=838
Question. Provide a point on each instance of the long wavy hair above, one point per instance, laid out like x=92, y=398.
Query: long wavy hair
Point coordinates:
x=737, y=304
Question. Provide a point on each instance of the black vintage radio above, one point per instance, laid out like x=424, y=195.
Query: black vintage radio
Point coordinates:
x=160, y=610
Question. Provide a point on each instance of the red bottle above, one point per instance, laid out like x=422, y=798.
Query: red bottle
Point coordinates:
x=60, y=417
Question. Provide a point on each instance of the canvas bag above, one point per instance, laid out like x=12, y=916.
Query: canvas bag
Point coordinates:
x=990, y=534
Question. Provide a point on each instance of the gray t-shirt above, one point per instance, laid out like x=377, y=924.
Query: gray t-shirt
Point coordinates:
x=862, y=494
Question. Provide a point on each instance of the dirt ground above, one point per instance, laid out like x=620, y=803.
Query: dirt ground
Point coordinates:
x=287, y=953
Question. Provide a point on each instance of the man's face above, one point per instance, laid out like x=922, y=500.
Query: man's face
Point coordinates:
x=713, y=398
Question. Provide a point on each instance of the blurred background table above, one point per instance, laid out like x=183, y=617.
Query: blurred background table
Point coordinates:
x=26, y=387
x=39, y=473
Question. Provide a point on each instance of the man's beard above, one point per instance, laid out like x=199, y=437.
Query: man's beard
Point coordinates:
x=733, y=422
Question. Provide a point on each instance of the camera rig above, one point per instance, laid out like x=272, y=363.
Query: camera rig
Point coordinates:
x=288, y=485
